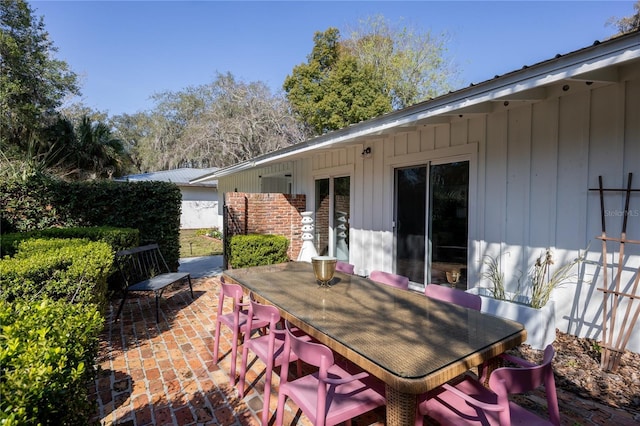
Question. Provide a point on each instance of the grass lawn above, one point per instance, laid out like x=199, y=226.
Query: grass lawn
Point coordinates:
x=193, y=245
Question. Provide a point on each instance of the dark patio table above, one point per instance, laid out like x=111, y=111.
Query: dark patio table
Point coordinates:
x=410, y=342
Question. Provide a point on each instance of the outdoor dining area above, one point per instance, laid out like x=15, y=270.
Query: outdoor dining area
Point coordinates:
x=320, y=352
x=403, y=343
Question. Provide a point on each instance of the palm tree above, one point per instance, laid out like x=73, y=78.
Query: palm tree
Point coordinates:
x=97, y=151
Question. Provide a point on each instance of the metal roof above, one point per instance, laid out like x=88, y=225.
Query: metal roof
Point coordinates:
x=595, y=63
x=181, y=177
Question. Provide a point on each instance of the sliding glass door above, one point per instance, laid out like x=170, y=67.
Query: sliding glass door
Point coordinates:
x=411, y=222
x=431, y=224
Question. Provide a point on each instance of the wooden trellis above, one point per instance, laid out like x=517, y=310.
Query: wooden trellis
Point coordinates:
x=613, y=348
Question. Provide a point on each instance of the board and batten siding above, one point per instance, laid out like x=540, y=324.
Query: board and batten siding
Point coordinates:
x=250, y=181
x=531, y=167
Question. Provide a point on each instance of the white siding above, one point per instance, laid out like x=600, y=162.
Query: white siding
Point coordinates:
x=251, y=181
x=199, y=208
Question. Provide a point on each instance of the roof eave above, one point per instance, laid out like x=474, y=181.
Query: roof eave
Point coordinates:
x=581, y=63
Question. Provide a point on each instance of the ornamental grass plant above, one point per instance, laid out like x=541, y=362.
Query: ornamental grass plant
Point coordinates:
x=539, y=282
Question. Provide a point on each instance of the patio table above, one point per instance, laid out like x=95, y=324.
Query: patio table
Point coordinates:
x=410, y=342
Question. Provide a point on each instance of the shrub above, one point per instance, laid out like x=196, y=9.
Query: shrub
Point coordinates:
x=74, y=270
x=47, y=353
x=210, y=232
x=151, y=207
x=117, y=238
x=254, y=250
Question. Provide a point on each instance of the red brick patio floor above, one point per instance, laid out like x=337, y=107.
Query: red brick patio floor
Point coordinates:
x=165, y=374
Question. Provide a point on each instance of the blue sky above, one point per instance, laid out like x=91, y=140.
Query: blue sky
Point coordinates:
x=126, y=51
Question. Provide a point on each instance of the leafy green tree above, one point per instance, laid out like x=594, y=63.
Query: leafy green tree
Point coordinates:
x=32, y=82
x=332, y=89
x=412, y=64
x=387, y=68
x=353, y=94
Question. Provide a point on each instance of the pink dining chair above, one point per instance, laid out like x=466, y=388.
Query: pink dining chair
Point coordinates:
x=388, y=278
x=329, y=396
x=345, y=267
x=471, y=403
x=457, y=297
x=453, y=295
x=236, y=320
x=268, y=347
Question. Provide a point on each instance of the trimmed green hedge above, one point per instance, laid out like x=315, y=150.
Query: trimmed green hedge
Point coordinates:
x=74, y=270
x=255, y=250
x=117, y=238
x=151, y=207
x=47, y=353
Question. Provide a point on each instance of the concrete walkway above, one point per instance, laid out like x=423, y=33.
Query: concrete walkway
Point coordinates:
x=200, y=267
x=165, y=374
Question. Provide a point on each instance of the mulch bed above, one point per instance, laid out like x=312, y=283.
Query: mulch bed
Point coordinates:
x=577, y=370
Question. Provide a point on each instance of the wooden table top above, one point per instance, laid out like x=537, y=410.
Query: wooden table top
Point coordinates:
x=407, y=340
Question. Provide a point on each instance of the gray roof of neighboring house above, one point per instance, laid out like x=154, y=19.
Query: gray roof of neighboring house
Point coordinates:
x=180, y=177
x=597, y=63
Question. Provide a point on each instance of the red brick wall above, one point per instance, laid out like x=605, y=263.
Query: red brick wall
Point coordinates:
x=277, y=214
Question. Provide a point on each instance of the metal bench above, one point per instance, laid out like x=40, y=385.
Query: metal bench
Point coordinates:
x=144, y=269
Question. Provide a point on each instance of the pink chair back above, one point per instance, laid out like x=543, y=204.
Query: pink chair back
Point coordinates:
x=470, y=402
x=453, y=295
x=229, y=290
x=345, y=267
x=263, y=312
x=235, y=320
x=330, y=396
x=388, y=278
x=267, y=347
x=315, y=354
x=510, y=380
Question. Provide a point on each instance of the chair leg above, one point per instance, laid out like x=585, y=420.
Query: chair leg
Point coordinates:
x=216, y=341
x=243, y=370
x=280, y=409
x=267, y=392
x=190, y=286
x=234, y=354
x=157, y=307
x=124, y=297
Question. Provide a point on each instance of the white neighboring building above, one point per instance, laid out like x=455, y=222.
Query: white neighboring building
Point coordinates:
x=199, y=200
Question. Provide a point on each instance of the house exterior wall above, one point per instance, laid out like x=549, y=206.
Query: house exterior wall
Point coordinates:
x=199, y=208
x=250, y=181
x=532, y=164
